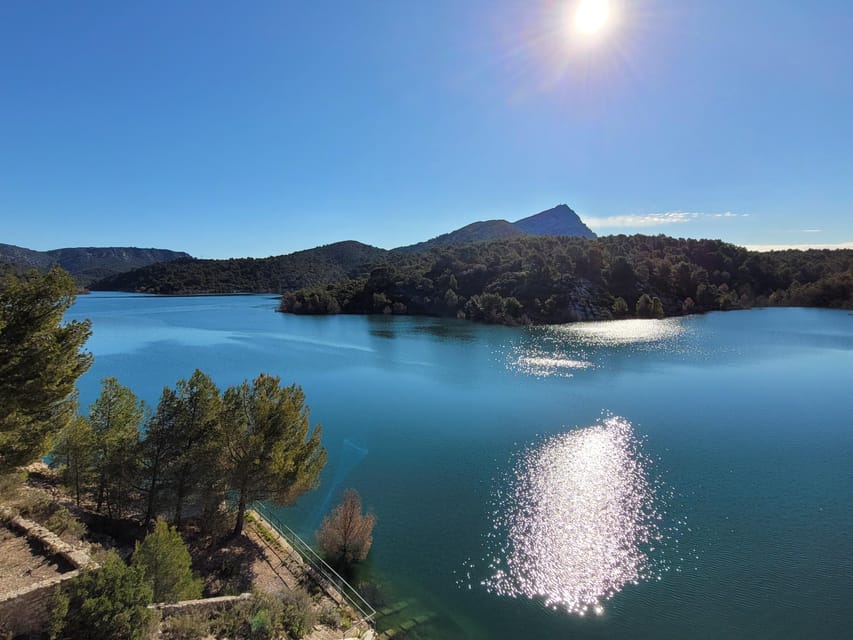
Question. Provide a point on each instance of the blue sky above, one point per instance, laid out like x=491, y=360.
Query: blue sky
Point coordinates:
x=259, y=128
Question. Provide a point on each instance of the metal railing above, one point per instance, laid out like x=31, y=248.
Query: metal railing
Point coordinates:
x=320, y=566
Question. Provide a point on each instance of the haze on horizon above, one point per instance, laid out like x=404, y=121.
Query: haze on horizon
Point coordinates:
x=231, y=130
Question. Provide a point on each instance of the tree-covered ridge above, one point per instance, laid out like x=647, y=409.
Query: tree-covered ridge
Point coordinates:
x=322, y=265
x=564, y=279
x=250, y=275
x=86, y=264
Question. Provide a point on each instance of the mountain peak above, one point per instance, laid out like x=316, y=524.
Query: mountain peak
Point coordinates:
x=557, y=221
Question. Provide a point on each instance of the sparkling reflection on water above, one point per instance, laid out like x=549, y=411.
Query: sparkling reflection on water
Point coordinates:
x=563, y=350
x=621, y=332
x=577, y=523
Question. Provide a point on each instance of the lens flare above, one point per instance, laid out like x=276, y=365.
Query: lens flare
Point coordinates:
x=578, y=520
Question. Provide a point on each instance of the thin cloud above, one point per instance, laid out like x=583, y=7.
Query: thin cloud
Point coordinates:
x=655, y=219
x=800, y=246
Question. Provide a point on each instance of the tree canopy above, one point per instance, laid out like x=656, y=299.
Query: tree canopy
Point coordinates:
x=110, y=603
x=269, y=449
x=117, y=417
x=258, y=275
x=254, y=441
x=165, y=563
x=564, y=279
x=40, y=362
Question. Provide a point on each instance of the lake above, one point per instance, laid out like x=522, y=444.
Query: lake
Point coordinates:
x=688, y=477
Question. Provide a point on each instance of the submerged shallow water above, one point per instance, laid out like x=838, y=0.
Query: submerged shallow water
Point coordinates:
x=637, y=479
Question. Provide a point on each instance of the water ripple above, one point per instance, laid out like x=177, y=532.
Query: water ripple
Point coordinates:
x=579, y=521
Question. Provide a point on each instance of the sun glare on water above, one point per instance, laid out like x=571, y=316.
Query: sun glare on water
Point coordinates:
x=579, y=521
x=591, y=16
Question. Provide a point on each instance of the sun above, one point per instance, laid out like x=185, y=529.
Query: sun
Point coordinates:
x=591, y=16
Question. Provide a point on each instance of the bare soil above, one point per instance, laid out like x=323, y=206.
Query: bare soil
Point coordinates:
x=228, y=565
x=23, y=562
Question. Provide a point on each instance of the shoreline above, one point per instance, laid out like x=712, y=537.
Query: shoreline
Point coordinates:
x=294, y=561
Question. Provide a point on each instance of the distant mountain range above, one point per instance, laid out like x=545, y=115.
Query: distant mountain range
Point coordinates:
x=545, y=268
x=87, y=264
x=559, y=221
x=177, y=273
x=173, y=272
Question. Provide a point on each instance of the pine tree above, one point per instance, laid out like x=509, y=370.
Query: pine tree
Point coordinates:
x=165, y=562
x=157, y=452
x=195, y=440
x=75, y=454
x=269, y=450
x=116, y=418
x=110, y=603
x=40, y=362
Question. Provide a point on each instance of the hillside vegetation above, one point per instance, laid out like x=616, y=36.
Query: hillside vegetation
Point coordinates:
x=85, y=264
x=322, y=265
x=563, y=279
x=250, y=275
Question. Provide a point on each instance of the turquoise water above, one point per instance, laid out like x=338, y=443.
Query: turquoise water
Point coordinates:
x=640, y=479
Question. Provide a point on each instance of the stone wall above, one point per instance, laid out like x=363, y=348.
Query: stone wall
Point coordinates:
x=206, y=605
x=52, y=544
x=28, y=610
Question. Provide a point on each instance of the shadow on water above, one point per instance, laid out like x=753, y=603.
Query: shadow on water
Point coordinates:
x=447, y=330
x=443, y=328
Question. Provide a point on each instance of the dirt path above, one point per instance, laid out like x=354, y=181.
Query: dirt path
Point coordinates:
x=280, y=567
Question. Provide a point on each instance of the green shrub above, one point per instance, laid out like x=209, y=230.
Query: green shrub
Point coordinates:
x=34, y=505
x=62, y=523
x=10, y=485
x=330, y=616
x=188, y=626
x=165, y=562
x=262, y=626
x=110, y=603
x=298, y=616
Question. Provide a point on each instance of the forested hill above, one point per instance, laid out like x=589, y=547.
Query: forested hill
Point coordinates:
x=86, y=264
x=323, y=265
x=276, y=274
x=564, y=279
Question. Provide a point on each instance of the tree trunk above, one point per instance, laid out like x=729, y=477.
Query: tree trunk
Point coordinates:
x=152, y=497
x=100, y=500
x=241, y=514
x=179, y=501
x=77, y=483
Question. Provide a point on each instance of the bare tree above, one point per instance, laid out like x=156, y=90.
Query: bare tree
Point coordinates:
x=346, y=534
